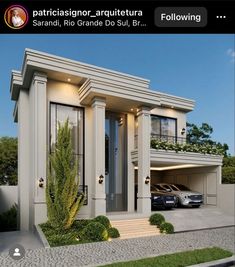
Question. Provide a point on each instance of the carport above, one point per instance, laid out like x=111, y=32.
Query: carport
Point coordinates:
x=199, y=172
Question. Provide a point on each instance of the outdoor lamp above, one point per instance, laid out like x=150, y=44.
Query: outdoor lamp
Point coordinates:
x=183, y=131
x=147, y=180
x=41, y=182
x=101, y=179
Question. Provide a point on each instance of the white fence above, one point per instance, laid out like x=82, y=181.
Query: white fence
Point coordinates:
x=8, y=197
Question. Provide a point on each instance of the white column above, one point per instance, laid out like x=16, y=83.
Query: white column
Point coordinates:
x=98, y=190
x=130, y=168
x=23, y=160
x=143, y=196
x=39, y=133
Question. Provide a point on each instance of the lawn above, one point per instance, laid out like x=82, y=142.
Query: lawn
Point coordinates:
x=180, y=259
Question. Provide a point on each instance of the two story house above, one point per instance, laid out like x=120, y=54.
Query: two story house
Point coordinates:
x=114, y=117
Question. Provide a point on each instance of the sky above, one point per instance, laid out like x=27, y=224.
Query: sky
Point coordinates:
x=198, y=67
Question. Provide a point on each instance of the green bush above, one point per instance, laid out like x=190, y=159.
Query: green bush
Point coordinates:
x=94, y=231
x=166, y=228
x=79, y=225
x=8, y=219
x=156, y=219
x=228, y=175
x=113, y=232
x=103, y=220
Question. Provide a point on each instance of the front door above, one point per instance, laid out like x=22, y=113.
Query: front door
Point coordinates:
x=115, y=162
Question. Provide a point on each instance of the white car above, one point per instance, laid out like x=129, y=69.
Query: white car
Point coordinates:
x=185, y=197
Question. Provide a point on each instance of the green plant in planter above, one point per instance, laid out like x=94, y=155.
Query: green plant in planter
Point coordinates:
x=62, y=195
x=103, y=220
x=94, y=231
x=166, y=228
x=113, y=232
x=156, y=219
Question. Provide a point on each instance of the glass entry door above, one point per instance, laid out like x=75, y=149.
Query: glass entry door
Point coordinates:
x=115, y=162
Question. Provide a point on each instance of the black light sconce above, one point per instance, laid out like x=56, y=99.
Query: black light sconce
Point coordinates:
x=147, y=180
x=101, y=179
x=41, y=182
x=183, y=131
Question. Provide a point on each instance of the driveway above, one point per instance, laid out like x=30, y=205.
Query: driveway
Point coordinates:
x=188, y=219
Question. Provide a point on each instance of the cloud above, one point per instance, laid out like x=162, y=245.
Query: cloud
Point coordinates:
x=231, y=54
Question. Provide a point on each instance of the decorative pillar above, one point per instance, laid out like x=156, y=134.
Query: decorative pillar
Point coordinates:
x=98, y=189
x=23, y=161
x=144, y=195
x=38, y=155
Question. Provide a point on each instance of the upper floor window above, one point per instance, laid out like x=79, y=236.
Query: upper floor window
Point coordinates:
x=163, y=128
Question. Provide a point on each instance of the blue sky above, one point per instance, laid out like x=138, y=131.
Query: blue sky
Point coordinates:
x=199, y=67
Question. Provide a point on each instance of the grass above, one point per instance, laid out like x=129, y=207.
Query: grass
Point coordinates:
x=64, y=237
x=180, y=259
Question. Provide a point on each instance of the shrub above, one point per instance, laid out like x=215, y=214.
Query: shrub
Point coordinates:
x=8, y=219
x=79, y=225
x=156, y=219
x=166, y=228
x=103, y=220
x=94, y=231
x=113, y=232
x=228, y=175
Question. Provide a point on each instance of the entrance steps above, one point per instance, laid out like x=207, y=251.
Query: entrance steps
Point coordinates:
x=133, y=228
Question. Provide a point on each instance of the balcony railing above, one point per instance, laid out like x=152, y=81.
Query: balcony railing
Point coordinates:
x=164, y=138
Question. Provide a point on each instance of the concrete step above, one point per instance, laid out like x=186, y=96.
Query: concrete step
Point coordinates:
x=133, y=228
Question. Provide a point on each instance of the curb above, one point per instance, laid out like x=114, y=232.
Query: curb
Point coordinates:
x=218, y=263
x=41, y=236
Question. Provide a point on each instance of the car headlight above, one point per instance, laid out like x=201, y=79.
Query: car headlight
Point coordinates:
x=156, y=197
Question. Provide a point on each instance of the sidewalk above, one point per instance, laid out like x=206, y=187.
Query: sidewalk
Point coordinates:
x=94, y=254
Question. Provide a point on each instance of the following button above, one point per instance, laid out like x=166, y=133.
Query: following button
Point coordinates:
x=180, y=17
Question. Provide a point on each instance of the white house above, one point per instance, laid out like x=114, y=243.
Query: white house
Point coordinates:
x=113, y=117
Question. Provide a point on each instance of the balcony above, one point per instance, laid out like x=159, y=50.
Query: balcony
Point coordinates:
x=163, y=138
x=170, y=151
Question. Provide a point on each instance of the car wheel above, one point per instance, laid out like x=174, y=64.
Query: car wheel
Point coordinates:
x=177, y=204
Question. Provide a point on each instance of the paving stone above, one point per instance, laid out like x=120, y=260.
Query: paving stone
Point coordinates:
x=94, y=254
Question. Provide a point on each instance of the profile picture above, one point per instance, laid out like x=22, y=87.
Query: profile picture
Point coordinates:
x=16, y=17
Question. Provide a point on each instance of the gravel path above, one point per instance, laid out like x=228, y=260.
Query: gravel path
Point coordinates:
x=94, y=254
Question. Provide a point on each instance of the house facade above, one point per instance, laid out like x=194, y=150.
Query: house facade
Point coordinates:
x=113, y=117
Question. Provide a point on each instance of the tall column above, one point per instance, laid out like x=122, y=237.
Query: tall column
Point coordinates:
x=98, y=189
x=23, y=160
x=39, y=133
x=143, y=196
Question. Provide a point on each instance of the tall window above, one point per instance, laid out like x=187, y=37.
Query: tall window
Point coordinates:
x=163, y=128
x=59, y=114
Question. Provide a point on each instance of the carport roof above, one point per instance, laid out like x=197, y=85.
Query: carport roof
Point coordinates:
x=166, y=160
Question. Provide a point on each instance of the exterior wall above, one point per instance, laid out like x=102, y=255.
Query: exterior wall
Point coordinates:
x=172, y=113
x=8, y=197
x=226, y=198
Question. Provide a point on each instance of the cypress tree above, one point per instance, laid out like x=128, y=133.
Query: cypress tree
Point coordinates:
x=62, y=189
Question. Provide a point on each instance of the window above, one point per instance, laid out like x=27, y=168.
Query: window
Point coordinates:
x=59, y=114
x=163, y=128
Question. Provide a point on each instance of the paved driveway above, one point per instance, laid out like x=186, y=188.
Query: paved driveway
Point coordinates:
x=188, y=219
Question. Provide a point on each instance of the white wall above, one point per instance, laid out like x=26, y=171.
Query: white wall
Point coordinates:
x=226, y=198
x=8, y=197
